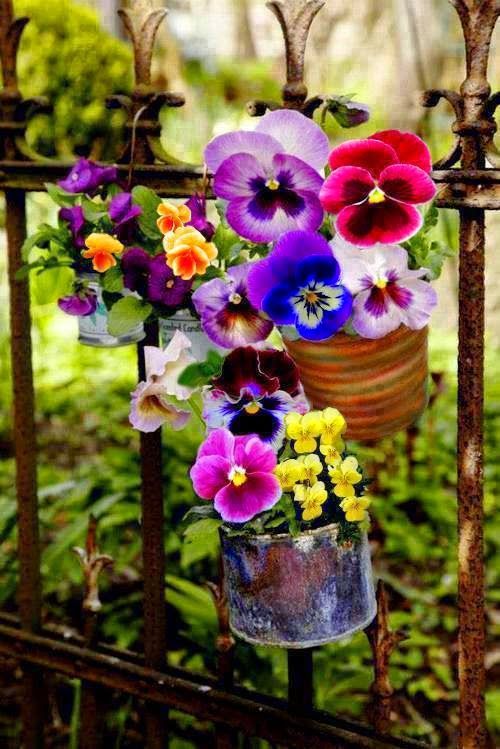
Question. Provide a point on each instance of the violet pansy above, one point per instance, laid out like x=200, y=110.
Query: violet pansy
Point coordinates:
x=270, y=176
x=299, y=284
x=227, y=315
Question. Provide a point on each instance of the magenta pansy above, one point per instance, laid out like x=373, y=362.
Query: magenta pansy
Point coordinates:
x=375, y=185
x=237, y=473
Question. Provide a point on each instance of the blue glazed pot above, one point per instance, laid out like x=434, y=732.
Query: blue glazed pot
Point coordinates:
x=297, y=591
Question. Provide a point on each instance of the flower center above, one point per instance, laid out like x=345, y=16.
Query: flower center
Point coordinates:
x=381, y=283
x=170, y=283
x=238, y=476
x=236, y=298
x=252, y=408
x=272, y=184
x=311, y=297
x=376, y=196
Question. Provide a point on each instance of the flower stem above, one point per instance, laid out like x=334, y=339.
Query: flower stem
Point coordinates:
x=195, y=408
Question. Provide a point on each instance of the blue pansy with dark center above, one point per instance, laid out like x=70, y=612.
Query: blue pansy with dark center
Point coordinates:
x=299, y=284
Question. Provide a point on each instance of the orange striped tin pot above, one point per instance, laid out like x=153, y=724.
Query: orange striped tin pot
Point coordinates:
x=380, y=386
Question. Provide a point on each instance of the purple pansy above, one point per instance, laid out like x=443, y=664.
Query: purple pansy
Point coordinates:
x=299, y=284
x=237, y=473
x=154, y=280
x=76, y=221
x=386, y=292
x=123, y=212
x=81, y=303
x=270, y=176
x=227, y=315
x=87, y=176
x=253, y=394
x=197, y=204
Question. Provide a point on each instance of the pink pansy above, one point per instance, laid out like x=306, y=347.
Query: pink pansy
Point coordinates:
x=386, y=292
x=375, y=185
x=237, y=473
x=153, y=401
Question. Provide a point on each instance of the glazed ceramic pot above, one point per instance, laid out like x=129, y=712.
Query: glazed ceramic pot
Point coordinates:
x=297, y=591
x=93, y=329
x=380, y=386
x=187, y=323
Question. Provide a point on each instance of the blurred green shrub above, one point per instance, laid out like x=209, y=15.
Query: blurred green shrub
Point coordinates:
x=66, y=56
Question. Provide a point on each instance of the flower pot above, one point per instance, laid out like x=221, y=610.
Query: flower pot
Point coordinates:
x=380, y=386
x=93, y=329
x=297, y=591
x=187, y=323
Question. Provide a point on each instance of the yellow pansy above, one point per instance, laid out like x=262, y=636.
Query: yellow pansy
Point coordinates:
x=311, y=499
x=304, y=430
x=288, y=473
x=310, y=467
x=344, y=476
x=355, y=508
x=334, y=425
x=333, y=452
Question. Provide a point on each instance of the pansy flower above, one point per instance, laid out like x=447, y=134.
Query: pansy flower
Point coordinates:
x=82, y=302
x=375, y=185
x=311, y=499
x=270, y=176
x=345, y=476
x=237, y=473
x=197, y=204
x=355, y=508
x=124, y=213
x=227, y=316
x=386, y=292
x=304, y=429
x=76, y=221
x=154, y=401
x=86, y=176
x=254, y=393
x=101, y=249
x=299, y=284
x=171, y=216
x=187, y=252
x=154, y=280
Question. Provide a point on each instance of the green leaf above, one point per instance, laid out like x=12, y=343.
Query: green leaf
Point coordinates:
x=149, y=201
x=112, y=280
x=126, y=314
x=52, y=283
x=201, y=540
x=226, y=240
x=61, y=197
x=93, y=212
x=200, y=373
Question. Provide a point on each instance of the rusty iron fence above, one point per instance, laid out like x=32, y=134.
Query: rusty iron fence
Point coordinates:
x=471, y=189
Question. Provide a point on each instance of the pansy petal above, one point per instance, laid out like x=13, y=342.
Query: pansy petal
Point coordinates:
x=209, y=475
x=406, y=183
x=331, y=321
x=237, y=504
x=409, y=148
x=218, y=442
x=299, y=136
x=236, y=175
x=318, y=268
x=241, y=371
x=372, y=155
x=260, y=224
x=277, y=304
x=424, y=298
x=254, y=455
x=345, y=186
x=375, y=315
x=388, y=222
x=280, y=364
x=222, y=147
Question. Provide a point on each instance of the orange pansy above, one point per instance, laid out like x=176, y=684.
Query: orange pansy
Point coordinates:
x=102, y=248
x=172, y=216
x=188, y=252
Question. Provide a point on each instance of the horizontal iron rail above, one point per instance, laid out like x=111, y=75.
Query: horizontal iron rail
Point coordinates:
x=251, y=713
x=182, y=180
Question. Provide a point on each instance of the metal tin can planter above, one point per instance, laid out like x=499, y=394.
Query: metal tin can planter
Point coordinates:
x=93, y=329
x=297, y=591
x=380, y=386
x=187, y=323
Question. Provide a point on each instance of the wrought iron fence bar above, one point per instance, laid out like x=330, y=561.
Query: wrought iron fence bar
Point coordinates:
x=251, y=713
x=29, y=587
x=300, y=680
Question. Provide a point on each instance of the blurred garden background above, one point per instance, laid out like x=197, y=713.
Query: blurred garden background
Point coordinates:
x=220, y=54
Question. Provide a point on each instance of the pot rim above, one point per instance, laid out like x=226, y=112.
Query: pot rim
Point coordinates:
x=280, y=536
